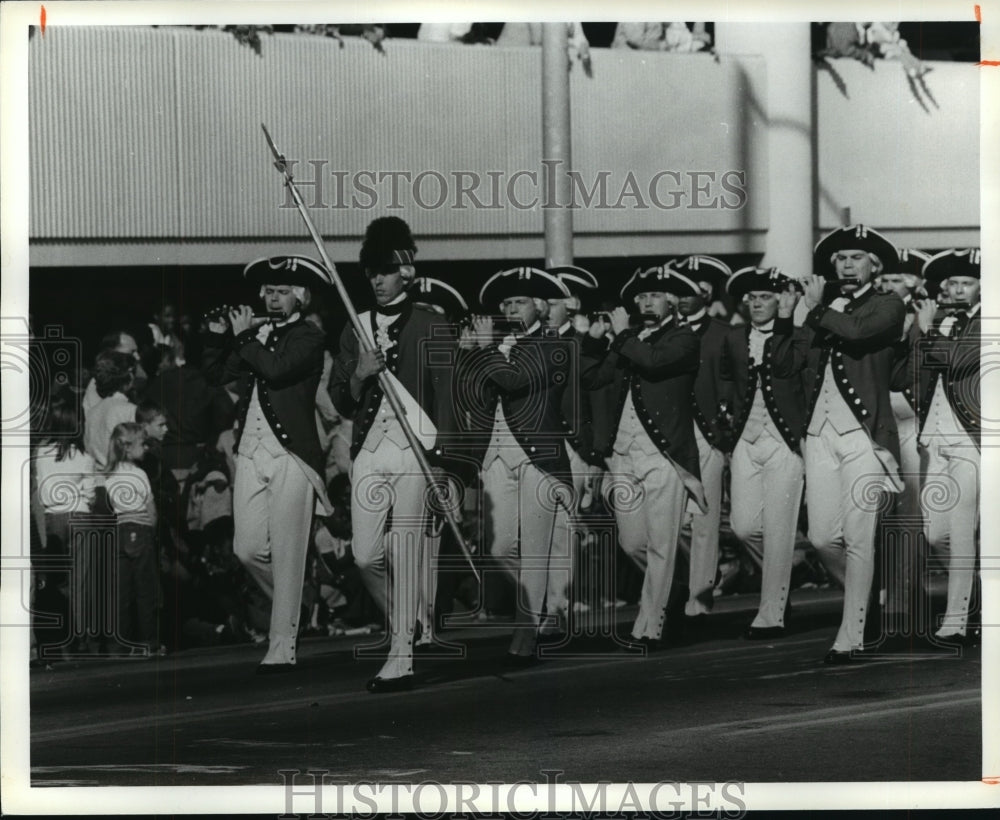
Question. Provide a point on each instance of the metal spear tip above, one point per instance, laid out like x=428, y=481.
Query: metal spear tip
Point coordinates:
x=279, y=159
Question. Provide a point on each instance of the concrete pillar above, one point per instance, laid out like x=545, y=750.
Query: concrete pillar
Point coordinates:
x=787, y=103
x=556, y=149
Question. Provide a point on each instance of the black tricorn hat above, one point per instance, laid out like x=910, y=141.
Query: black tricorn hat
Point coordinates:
x=662, y=279
x=953, y=262
x=388, y=244
x=523, y=281
x=578, y=281
x=287, y=270
x=748, y=280
x=855, y=237
x=436, y=293
x=702, y=268
x=910, y=261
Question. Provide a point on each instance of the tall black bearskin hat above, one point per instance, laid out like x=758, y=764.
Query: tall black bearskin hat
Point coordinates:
x=388, y=247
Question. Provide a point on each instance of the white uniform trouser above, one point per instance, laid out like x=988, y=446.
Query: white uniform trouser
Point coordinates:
x=845, y=482
x=648, y=498
x=905, y=565
x=952, y=523
x=273, y=505
x=703, y=548
x=908, y=502
x=766, y=492
x=563, y=557
x=388, y=481
x=521, y=505
x=427, y=569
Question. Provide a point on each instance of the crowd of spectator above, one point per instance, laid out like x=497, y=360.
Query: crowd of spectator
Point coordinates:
x=863, y=41
x=142, y=444
x=867, y=42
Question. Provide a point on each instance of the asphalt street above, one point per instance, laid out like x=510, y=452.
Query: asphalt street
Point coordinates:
x=715, y=708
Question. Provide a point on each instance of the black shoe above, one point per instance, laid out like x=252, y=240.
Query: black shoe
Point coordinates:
x=380, y=685
x=763, y=633
x=514, y=661
x=969, y=640
x=646, y=644
x=274, y=668
x=837, y=658
x=696, y=623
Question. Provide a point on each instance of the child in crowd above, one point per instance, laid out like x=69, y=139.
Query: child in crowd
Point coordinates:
x=171, y=548
x=166, y=490
x=131, y=497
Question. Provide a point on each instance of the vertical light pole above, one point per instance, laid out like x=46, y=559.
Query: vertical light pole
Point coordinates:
x=788, y=108
x=556, y=147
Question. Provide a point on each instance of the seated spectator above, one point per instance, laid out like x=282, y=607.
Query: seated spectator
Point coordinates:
x=443, y=32
x=885, y=39
x=245, y=35
x=113, y=377
x=847, y=40
x=867, y=41
x=208, y=502
x=530, y=34
x=121, y=342
x=676, y=37
x=464, y=33
x=374, y=33
x=131, y=498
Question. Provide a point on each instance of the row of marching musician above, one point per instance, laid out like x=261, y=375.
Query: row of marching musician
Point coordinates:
x=658, y=392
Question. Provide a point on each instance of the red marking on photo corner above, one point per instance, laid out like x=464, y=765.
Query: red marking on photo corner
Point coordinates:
x=41, y=21
x=988, y=62
x=979, y=14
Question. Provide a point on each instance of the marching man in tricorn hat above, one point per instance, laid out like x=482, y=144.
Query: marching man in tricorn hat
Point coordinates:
x=510, y=389
x=904, y=559
x=951, y=425
x=576, y=413
x=708, y=401
x=764, y=361
x=389, y=490
x=279, y=462
x=852, y=446
x=654, y=465
x=441, y=298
